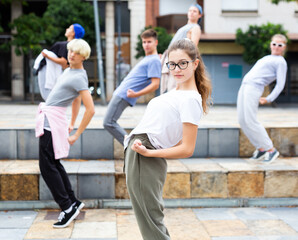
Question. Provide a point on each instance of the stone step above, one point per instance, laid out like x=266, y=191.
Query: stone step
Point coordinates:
x=97, y=143
x=187, y=179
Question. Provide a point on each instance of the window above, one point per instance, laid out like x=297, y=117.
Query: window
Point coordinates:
x=239, y=6
x=179, y=7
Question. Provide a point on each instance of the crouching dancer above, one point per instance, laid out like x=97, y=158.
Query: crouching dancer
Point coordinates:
x=53, y=130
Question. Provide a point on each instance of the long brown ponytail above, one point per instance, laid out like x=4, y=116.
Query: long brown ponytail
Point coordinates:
x=203, y=82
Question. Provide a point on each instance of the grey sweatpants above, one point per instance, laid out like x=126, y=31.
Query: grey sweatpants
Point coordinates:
x=115, y=108
x=145, y=178
x=247, y=108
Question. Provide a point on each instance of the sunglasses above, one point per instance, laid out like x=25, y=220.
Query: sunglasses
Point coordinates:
x=278, y=44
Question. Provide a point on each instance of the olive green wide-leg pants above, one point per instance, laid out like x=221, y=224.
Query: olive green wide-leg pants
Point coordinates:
x=145, y=178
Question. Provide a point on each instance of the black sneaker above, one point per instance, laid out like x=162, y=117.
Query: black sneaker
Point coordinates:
x=78, y=205
x=271, y=156
x=65, y=219
x=258, y=155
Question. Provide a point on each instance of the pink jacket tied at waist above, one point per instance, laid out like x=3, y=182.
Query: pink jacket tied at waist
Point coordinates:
x=59, y=127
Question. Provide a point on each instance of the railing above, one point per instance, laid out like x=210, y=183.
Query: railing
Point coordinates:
x=90, y=66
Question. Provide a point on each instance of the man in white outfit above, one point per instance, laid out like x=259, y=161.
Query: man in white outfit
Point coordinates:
x=265, y=71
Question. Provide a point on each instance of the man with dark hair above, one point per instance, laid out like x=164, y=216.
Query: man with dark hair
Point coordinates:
x=142, y=79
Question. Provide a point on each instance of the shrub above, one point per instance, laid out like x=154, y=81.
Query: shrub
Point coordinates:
x=256, y=40
x=163, y=41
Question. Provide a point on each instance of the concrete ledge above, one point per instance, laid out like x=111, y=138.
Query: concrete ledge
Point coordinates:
x=97, y=143
x=169, y=203
x=21, y=180
x=200, y=178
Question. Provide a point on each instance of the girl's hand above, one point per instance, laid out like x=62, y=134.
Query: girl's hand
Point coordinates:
x=72, y=139
x=138, y=147
x=70, y=128
x=263, y=101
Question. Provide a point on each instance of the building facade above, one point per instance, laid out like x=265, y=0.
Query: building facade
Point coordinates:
x=222, y=56
x=224, y=17
x=15, y=80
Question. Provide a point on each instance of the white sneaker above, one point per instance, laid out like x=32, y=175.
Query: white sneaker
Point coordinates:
x=271, y=156
x=65, y=219
x=258, y=155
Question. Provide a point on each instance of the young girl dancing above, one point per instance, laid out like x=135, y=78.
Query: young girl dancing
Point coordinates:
x=168, y=129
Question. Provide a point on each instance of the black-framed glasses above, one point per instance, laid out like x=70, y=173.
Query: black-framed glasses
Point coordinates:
x=277, y=44
x=182, y=64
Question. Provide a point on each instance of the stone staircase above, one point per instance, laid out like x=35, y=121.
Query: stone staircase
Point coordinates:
x=217, y=175
x=97, y=143
x=197, y=182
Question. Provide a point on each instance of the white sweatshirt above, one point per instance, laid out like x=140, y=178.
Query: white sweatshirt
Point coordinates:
x=265, y=71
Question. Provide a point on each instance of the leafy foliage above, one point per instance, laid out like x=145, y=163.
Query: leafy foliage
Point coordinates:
x=62, y=13
x=33, y=31
x=1, y=29
x=256, y=40
x=29, y=33
x=9, y=1
x=3, y=2
x=278, y=1
x=163, y=41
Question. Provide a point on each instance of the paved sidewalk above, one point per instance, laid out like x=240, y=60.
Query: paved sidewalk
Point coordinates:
x=183, y=224
x=23, y=115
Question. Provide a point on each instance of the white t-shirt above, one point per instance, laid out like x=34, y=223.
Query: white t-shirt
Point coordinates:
x=164, y=116
x=265, y=71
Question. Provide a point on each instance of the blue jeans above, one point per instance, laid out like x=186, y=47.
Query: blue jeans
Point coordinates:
x=115, y=108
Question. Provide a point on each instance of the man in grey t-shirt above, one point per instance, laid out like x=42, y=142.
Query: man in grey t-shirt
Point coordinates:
x=72, y=88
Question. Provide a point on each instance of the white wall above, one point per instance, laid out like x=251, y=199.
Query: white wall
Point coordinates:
x=174, y=6
x=250, y=5
x=137, y=23
x=110, y=49
x=283, y=13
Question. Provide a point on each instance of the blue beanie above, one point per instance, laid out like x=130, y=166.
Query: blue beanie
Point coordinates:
x=79, y=30
x=200, y=9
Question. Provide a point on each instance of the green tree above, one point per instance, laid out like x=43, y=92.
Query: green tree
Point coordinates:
x=256, y=40
x=62, y=13
x=32, y=31
x=163, y=41
x=29, y=34
x=9, y=1
x=1, y=29
x=278, y=1
x=3, y=2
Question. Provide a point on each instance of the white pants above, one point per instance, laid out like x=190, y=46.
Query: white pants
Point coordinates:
x=247, y=108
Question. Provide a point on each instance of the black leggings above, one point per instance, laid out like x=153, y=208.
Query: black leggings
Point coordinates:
x=54, y=173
